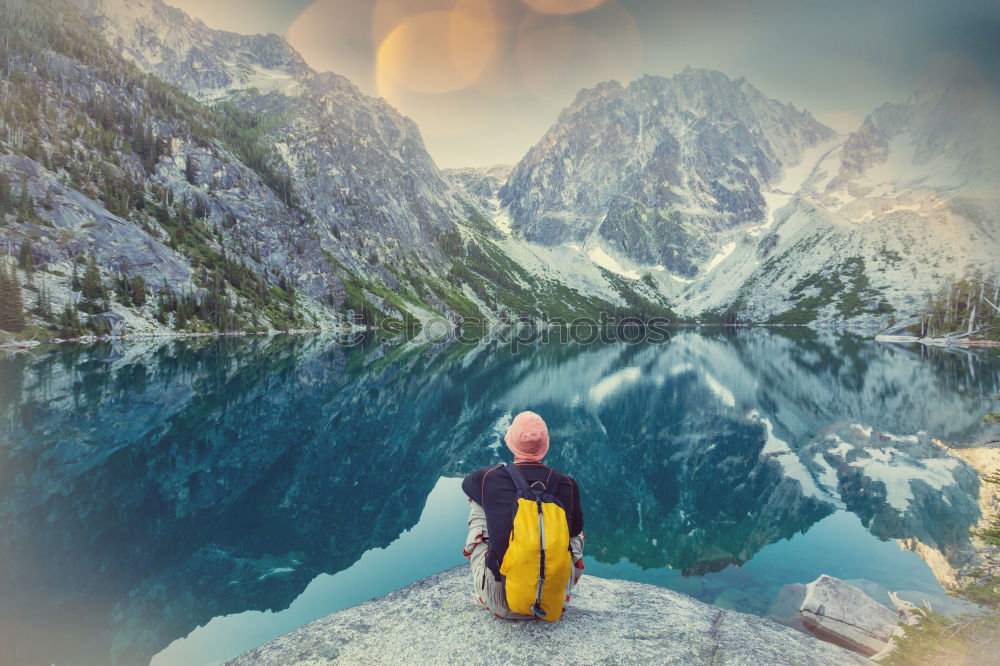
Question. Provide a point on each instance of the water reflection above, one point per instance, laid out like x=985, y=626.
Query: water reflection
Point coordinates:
x=146, y=488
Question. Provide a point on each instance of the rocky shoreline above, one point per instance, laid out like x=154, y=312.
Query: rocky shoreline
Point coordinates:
x=940, y=342
x=15, y=345
x=437, y=620
x=29, y=344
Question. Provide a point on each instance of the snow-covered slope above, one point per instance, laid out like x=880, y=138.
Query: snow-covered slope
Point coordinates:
x=266, y=181
x=883, y=216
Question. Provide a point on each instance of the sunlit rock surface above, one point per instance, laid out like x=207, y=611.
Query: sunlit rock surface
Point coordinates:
x=436, y=620
x=841, y=613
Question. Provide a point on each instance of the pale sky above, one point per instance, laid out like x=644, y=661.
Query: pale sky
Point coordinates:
x=484, y=79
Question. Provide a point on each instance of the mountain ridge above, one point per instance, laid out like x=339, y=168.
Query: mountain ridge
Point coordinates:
x=692, y=195
x=807, y=237
x=313, y=209
x=653, y=168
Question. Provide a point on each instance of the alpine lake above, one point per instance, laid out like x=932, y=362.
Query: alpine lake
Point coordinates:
x=177, y=502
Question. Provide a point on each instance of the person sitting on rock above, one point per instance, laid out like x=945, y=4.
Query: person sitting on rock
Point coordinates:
x=494, y=508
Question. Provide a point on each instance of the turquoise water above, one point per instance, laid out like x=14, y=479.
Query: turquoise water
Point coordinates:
x=179, y=502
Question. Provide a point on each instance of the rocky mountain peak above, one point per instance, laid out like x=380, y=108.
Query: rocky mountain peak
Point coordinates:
x=167, y=42
x=689, y=154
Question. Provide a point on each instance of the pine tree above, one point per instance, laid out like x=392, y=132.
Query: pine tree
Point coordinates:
x=6, y=198
x=91, y=286
x=43, y=304
x=75, y=280
x=11, y=305
x=191, y=171
x=137, y=285
x=26, y=258
x=92, y=289
x=27, y=208
x=69, y=323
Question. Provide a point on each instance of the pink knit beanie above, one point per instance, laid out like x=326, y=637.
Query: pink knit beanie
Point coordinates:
x=528, y=437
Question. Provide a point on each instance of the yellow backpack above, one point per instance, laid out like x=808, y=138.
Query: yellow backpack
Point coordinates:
x=537, y=564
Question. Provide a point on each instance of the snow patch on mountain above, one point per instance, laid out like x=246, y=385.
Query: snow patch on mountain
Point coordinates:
x=719, y=258
x=565, y=264
x=600, y=256
x=793, y=180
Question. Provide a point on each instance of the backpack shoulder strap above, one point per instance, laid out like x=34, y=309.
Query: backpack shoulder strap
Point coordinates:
x=517, y=476
x=552, y=481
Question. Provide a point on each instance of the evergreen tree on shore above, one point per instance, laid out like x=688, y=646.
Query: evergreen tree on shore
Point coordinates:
x=969, y=306
x=92, y=289
x=11, y=305
x=137, y=287
x=43, y=303
x=6, y=198
x=69, y=323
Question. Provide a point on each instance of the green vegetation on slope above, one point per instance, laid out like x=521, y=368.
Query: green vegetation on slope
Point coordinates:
x=848, y=286
x=502, y=284
x=111, y=146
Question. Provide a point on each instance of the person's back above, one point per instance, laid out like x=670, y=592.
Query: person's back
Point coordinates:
x=493, y=495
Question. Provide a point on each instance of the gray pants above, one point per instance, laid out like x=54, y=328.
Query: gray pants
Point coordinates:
x=489, y=591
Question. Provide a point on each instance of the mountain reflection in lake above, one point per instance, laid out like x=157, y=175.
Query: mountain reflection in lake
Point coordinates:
x=148, y=488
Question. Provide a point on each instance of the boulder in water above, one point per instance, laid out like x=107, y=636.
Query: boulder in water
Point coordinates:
x=843, y=614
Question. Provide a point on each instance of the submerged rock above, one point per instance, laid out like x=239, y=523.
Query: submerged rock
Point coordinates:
x=843, y=614
x=436, y=620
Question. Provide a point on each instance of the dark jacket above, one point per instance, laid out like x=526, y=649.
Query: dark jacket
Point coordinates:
x=494, y=490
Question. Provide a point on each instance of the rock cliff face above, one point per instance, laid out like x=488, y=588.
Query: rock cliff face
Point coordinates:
x=206, y=161
x=211, y=163
x=164, y=40
x=436, y=620
x=482, y=184
x=355, y=162
x=130, y=170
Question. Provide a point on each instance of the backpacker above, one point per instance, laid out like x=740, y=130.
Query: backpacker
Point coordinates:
x=537, y=565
